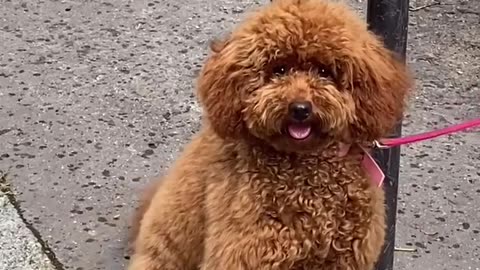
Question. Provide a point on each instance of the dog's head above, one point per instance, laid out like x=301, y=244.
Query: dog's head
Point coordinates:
x=301, y=74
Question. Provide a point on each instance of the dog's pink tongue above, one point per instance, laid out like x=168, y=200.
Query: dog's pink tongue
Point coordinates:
x=299, y=131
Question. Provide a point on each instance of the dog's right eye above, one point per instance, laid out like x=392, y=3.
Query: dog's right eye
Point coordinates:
x=279, y=70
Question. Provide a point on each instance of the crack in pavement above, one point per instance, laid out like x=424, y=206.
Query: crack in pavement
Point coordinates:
x=6, y=190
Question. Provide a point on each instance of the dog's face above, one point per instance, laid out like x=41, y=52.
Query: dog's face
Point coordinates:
x=300, y=75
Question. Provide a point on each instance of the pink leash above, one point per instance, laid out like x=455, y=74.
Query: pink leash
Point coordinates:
x=392, y=142
x=375, y=172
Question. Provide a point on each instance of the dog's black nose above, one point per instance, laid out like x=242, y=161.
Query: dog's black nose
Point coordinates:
x=300, y=111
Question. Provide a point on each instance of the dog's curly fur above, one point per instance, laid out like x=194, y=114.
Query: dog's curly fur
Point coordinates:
x=246, y=195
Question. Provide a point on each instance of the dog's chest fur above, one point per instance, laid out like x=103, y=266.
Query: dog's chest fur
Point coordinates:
x=316, y=209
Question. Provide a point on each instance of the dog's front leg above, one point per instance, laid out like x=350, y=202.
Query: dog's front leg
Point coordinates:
x=245, y=259
x=244, y=250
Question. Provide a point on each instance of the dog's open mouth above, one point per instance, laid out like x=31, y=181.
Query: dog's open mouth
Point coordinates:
x=299, y=131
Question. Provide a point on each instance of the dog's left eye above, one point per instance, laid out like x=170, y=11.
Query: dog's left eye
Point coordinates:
x=324, y=72
x=279, y=70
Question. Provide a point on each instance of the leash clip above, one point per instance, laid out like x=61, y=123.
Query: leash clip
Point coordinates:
x=379, y=145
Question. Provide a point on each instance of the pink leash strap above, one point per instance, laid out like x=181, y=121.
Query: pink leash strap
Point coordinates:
x=392, y=142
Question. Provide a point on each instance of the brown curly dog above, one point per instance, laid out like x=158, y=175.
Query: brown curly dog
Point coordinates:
x=267, y=183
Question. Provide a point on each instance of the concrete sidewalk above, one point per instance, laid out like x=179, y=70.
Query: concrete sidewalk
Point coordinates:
x=96, y=100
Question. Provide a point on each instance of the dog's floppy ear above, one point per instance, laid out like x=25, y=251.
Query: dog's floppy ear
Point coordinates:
x=380, y=84
x=219, y=90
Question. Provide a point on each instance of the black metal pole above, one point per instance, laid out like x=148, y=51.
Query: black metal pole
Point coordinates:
x=389, y=19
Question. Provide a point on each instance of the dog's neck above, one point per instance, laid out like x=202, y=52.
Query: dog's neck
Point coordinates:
x=264, y=155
